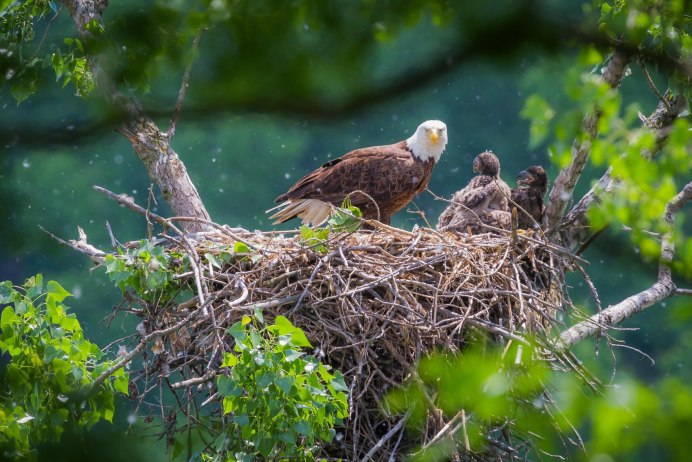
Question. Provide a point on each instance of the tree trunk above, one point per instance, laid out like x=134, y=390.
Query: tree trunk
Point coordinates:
x=149, y=143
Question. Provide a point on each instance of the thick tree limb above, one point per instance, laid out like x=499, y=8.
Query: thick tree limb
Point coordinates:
x=564, y=184
x=662, y=289
x=575, y=225
x=151, y=144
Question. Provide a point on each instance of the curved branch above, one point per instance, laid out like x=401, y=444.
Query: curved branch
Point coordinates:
x=663, y=288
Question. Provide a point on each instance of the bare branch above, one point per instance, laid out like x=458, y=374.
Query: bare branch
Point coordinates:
x=662, y=289
x=128, y=201
x=564, y=184
x=80, y=245
x=183, y=86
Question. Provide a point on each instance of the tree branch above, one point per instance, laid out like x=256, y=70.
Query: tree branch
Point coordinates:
x=183, y=86
x=564, y=184
x=659, y=122
x=151, y=144
x=80, y=245
x=663, y=288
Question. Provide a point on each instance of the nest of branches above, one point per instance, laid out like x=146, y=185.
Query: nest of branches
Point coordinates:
x=373, y=302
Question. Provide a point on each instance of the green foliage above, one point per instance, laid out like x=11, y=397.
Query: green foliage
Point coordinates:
x=147, y=270
x=21, y=62
x=346, y=218
x=315, y=238
x=665, y=24
x=648, y=179
x=73, y=67
x=281, y=402
x=44, y=387
x=493, y=388
x=513, y=390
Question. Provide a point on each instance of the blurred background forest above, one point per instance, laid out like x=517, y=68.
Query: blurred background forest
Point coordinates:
x=272, y=97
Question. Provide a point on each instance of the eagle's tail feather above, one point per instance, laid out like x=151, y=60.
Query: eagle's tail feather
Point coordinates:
x=310, y=211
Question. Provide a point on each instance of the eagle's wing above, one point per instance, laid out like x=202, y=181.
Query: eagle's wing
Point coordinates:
x=497, y=219
x=477, y=196
x=501, y=196
x=374, y=170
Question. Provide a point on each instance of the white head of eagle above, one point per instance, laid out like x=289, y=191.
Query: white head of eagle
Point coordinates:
x=429, y=140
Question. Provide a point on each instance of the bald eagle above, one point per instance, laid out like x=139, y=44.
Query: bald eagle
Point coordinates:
x=484, y=201
x=379, y=180
x=532, y=185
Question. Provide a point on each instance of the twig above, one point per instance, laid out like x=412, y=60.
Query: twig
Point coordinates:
x=114, y=241
x=652, y=85
x=45, y=32
x=444, y=430
x=129, y=202
x=81, y=245
x=183, y=86
x=195, y=380
x=319, y=264
x=386, y=437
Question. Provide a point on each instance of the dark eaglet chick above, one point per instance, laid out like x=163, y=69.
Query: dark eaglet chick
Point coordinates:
x=484, y=201
x=532, y=185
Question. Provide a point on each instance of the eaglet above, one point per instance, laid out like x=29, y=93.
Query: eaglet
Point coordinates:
x=532, y=185
x=484, y=201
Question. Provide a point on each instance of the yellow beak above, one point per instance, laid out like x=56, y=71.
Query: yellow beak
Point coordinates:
x=433, y=136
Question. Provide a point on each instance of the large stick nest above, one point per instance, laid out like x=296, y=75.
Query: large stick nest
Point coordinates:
x=373, y=302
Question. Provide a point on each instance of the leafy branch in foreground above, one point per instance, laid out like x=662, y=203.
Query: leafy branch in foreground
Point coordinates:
x=281, y=403
x=43, y=388
x=511, y=405
x=146, y=270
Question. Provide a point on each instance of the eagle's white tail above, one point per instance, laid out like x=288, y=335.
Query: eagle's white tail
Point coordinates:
x=311, y=211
